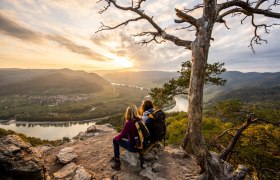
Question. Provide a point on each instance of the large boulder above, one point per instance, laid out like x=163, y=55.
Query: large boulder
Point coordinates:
x=72, y=171
x=157, y=167
x=130, y=158
x=19, y=160
x=81, y=174
x=177, y=153
x=66, y=172
x=91, y=129
x=66, y=155
x=148, y=173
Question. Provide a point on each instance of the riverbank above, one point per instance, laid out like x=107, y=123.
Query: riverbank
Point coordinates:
x=13, y=121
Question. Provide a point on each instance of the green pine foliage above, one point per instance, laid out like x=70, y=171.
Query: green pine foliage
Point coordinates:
x=163, y=95
x=259, y=145
x=176, y=128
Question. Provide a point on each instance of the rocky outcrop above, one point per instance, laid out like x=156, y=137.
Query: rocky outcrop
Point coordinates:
x=90, y=159
x=94, y=130
x=66, y=155
x=19, y=160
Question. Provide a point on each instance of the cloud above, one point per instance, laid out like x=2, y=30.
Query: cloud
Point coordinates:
x=151, y=57
x=12, y=28
x=72, y=46
x=70, y=24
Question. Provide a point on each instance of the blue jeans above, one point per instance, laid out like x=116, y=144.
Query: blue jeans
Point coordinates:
x=123, y=143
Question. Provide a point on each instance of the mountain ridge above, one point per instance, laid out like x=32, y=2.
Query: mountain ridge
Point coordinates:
x=49, y=82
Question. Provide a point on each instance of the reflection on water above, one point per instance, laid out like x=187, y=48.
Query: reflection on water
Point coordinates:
x=58, y=130
x=49, y=131
x=181, y=104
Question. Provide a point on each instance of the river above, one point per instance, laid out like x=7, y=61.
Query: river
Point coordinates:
x=58, y=130
x=181, y=104
x=48, y=130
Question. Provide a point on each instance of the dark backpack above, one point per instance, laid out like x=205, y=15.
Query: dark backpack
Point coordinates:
x=157, y=126
x=143, y=138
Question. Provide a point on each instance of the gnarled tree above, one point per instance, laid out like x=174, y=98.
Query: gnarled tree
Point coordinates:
x=212, y=12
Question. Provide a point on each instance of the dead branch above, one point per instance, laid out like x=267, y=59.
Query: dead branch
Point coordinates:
x=186, y=27
x=187, y=18
x=269, y=122
x=198, y=6
x=154, y=37
x=259, y=3
x=226, y=131
x=226, y=152
x=249, y=8
x=137, y=10
x=104, y=27
x=257, y=39
x=232, y=12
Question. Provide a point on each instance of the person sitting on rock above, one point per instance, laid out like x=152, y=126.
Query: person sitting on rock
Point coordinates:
x=146, y=108
x=126, y=137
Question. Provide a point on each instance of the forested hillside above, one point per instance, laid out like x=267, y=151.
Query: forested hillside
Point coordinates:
x=248, y=87
x=61, y=95
x=49, y=82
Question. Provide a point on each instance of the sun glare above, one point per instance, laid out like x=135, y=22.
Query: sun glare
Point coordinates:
x=123, y=62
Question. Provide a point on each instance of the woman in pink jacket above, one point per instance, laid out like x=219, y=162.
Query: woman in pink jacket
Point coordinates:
x=126, y=138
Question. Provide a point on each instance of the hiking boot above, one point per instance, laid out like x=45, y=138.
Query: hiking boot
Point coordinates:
x=116, y=165
x=112, y=159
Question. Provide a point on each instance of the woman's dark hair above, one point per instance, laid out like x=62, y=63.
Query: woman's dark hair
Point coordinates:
x=145, y=106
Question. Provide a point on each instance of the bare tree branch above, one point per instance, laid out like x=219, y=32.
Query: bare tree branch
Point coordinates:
x=247, y=7
x=226, y=131
x=137, y=9
x=232, y=11
x=188, y=28
x=226, y=152
x=198, y=6
x=269, y=122
x=104, y=27
x=187, y=18
x=257, y=39
x=259, y=3
x=153, y=38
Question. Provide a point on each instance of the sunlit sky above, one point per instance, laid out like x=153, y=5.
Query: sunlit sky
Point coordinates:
x=53, y=34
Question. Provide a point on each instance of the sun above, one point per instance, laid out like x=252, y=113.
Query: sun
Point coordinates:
x=123, y=62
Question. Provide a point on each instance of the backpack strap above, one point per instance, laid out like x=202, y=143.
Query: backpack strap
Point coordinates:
x=151, y=116
x=139, y=133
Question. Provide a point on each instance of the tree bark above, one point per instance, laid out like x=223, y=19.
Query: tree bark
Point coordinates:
x=210, y=169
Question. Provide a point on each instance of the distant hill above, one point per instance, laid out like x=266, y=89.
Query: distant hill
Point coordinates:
x=252, y=86
x=49, y=82
x=248, y=87
x=146, y=79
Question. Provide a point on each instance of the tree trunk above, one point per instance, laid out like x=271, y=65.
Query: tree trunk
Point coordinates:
x=200, y=48
x=210, y=168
